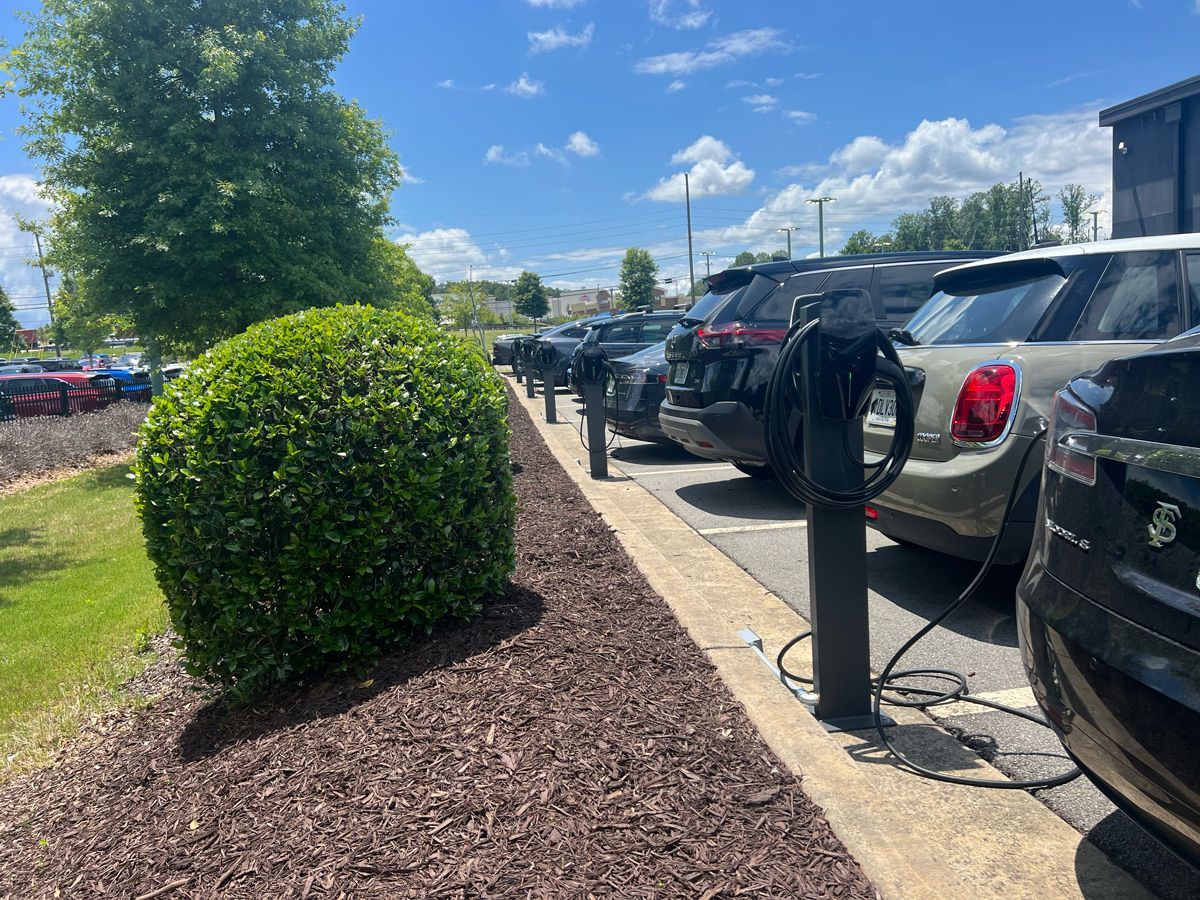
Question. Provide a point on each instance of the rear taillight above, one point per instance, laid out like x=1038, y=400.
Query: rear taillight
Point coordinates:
x=1069, y=418
x=984, y=410
x=737, y=334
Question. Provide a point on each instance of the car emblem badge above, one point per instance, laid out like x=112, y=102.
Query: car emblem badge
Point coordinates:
x=929, y=437
x=1162, y=529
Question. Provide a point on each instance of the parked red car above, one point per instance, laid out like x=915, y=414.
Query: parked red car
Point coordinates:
x=30, y=396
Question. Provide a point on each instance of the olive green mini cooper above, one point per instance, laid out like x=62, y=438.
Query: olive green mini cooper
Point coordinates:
x=988, y=352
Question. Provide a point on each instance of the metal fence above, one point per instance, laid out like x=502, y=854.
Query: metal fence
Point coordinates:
x=70, y=400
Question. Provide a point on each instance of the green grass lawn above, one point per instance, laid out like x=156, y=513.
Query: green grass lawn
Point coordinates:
x=77, y=596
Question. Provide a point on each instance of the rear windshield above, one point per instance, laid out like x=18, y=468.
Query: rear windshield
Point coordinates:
x=707, y=305
x=1002, y=316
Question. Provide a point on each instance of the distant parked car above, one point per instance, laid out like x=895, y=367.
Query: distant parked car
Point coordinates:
x=988, y=354
x=129, y=361
x=23, y=369
x=31, y=396
x=562, y=340
x=1107, y=610
x=502, y=348
x=623, y=335
x=633, y=393
x=94, y=361
x=60, y=365
x=724, y=349
x=131, y=381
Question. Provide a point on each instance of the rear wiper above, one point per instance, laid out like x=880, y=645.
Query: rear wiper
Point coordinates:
x=904, y=336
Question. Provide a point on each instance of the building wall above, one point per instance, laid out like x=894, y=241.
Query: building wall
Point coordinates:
x=1156, y=177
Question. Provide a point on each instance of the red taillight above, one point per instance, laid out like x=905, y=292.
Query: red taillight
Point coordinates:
x=737, y=334
x=872, y=512
x=985, y=405
x=1069, y=418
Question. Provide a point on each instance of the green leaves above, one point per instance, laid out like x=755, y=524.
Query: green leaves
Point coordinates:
x=638, y=274
x=320, y=488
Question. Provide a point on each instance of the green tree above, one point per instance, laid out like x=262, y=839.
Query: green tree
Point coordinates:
x=1076, y=201
x=745, y=258
x=861, y=241
x=9, y=326
x=638, y=274
x=529, y=296
x=204, y=173
x=779, y=255
x=77, y=319
x=397, y=283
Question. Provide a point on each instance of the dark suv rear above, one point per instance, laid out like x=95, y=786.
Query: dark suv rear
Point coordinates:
x=723, y=350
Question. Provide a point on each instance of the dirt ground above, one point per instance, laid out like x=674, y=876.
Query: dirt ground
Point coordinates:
x=570, y=742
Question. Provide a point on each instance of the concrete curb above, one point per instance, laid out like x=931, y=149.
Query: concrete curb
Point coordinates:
x=914, y=837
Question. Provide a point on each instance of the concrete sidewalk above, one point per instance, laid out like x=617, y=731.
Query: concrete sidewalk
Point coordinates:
x=915, y=838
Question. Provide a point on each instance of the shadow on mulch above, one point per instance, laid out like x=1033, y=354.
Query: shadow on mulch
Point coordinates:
x=217, y=724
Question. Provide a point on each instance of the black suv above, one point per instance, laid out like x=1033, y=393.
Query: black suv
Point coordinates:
x=623, y=335
x=723, y=350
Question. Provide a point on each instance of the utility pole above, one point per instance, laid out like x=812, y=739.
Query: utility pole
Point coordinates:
x=708, y=255
x=475, y=307
x=687, y=192
x=1095, y=214
x=789, y=229
x=820, y=201
x=49, y=300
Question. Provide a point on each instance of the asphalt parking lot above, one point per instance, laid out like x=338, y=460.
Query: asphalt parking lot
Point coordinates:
x=762, y=528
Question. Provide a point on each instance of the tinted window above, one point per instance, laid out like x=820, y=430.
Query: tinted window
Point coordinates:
x=1193, y=277
x=573, y=333
x=620, y=334
x=844, y=279
x=1002, y=316
x=707, y=305
x=778, y=306
x=1135, y=300
x=904, y=289
x=655, y=330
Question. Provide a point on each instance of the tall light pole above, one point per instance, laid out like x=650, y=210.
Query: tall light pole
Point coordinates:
x=687, y=192
x=821, y=201
x=708, y=255
x=789, y=229
x=1095, y=214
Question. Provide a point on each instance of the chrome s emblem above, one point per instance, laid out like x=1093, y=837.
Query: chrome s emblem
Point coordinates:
x=1070, y=537
x=1162, y=527
x=928, y=437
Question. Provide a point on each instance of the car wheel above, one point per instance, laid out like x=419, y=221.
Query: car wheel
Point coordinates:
x=754, y=471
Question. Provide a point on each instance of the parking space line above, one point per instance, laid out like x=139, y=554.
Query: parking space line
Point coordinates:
x=1019, y=697
x=739, y=529
x=675, y=470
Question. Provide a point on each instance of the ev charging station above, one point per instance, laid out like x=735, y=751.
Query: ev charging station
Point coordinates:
x=593, y=371
x=818, y=397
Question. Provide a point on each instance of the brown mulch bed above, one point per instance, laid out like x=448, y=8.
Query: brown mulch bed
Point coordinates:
x=34, y=451
x=570, y=742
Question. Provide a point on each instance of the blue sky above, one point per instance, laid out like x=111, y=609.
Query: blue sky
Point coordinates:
x=553, y=134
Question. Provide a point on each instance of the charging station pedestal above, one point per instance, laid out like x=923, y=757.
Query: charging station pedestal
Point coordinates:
x=529, y=391
x=593, y=403
x=549, y=383
x=517, y=373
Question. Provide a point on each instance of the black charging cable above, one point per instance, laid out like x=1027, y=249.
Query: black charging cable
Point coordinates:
x=592, y=366
x=915, y=697
x=784, y=396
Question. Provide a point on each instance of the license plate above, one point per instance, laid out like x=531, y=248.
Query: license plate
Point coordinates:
x=680, y=375
x=882, y=411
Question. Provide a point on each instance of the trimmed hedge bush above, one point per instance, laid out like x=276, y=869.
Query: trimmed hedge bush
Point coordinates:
x=315, y=491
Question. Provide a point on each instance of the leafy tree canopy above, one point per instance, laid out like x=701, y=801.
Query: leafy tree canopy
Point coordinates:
x=205, y=174
x=79, y=322
x=9, y=326
x=638, y=272
x=529, y=296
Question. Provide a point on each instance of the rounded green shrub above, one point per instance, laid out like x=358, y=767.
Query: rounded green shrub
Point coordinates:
x=315, y=491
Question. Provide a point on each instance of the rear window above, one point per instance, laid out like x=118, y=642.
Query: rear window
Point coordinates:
x=1136, y=300
x=655, y=330
x=1003, y=316
x=619, y=334
x=707, y=305
x=904, y=289
x=778, y=306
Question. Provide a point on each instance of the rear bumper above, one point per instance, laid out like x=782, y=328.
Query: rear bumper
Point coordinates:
x=634, y=416
x=1124, y=701
x=727, y=430
x=955, y=506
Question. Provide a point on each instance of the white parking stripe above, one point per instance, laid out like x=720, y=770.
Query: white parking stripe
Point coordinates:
x=765, y=526
x=675, y=470
x=1019, y=697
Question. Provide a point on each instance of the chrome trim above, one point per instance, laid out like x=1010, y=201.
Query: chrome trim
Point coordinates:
x=1012, y=345
x=1144, y=342
x=1177, y=459
x=1012, y=413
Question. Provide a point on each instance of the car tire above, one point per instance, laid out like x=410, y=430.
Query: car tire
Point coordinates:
x=755, y=471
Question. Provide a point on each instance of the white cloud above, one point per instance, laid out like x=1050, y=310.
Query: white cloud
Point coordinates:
x=679, y=85
x=555, y=4
x=799, y=116
x=550, y=153
x=684, y=15
x=581, y=145
x=807, y=76
x=715, y=172
x=722, y=51
x=443, y=252
x=497, y=155
x=557, y=37
x=410, y=178
x=761, y=102
x=874, y=180
x=448, y=84
x=526, y=87
x=19, y=195
x=772, y=82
